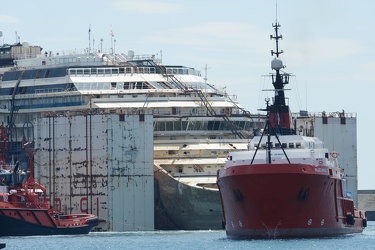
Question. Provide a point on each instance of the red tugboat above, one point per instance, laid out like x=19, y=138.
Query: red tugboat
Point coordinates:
x=285, y=185
x=25, y=210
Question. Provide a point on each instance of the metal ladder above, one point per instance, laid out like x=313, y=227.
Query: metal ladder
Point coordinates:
x=162, y=70
x=204, y=100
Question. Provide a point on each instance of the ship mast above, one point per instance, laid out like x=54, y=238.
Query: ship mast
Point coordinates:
x=276, y=64
x=280, y=116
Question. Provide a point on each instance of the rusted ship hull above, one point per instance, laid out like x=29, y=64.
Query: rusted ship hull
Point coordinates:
x=186, y=207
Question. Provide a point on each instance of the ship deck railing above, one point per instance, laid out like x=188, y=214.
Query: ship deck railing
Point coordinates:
x=49, y=90
x=341, y=114
x=123, y=71
x=188, y=175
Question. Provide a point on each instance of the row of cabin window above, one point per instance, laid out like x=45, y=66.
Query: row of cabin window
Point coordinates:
x=283, y=145
x=34, y=74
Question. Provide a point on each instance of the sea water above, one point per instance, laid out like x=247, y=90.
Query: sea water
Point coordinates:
x=165, y=240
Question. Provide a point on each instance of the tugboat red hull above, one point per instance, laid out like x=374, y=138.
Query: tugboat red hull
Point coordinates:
x=286, y=201
x=33, y=222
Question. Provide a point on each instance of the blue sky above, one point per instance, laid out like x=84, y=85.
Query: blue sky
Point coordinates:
x=328, y=46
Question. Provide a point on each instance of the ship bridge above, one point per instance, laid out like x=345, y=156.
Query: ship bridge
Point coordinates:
x=287, y=142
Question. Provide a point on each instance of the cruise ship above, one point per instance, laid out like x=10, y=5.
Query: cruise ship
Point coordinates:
x=64, y=104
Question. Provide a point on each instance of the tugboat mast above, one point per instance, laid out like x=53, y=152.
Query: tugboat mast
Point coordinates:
x=278, y=80
x=279, y=112
x=276, y=37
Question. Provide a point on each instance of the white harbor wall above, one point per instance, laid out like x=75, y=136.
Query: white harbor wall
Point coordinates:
x=340, y=134
x=100, y=164
x=366, y=201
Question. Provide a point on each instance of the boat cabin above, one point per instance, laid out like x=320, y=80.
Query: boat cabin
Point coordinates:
x=287, y=142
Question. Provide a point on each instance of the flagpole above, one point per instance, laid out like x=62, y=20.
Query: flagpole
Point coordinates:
x=89, y=38
x=111, y=40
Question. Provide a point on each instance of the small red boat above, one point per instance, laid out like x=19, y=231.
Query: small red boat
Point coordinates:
x=25, y=210
x=286, y=185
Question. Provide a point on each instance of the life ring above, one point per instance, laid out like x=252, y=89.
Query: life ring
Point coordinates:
x=334, y=155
